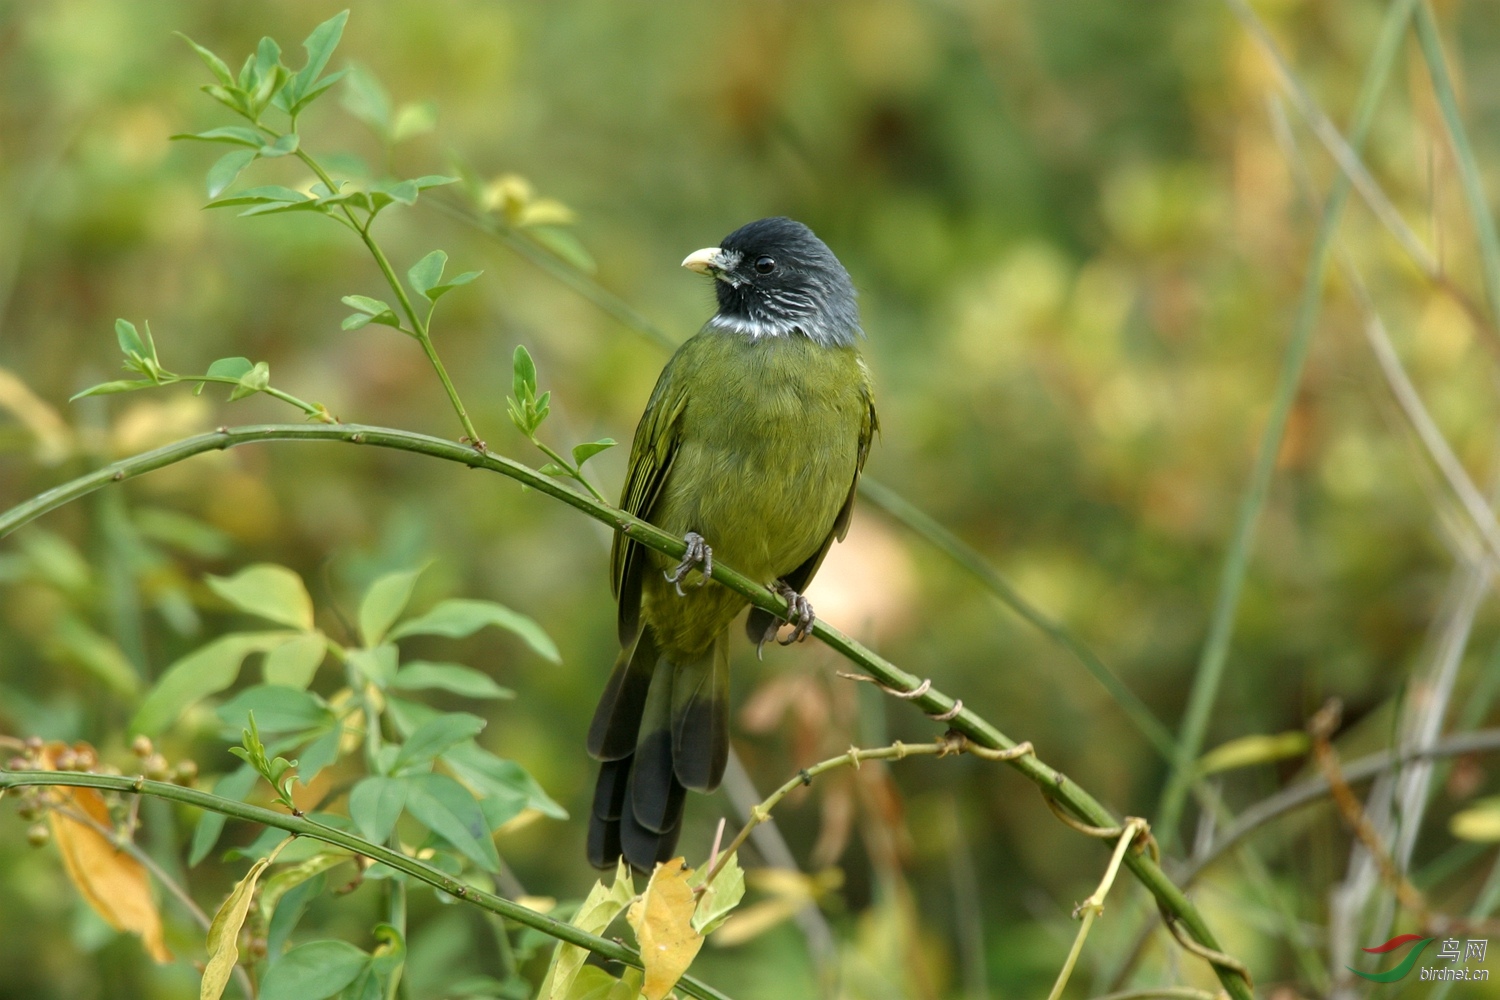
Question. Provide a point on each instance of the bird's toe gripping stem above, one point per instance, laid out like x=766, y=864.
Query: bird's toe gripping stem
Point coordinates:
x=698, y=556
x=800, y=617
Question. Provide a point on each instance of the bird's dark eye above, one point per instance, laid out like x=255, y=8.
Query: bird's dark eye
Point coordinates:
x=765, y=265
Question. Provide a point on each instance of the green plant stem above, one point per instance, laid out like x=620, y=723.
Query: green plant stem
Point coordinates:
x=573, y=471
x=853, y=758
x=932, y=701
x=1093, y=907
x=419, y=328
x=1215, y=653
x=311, y=409
x=303, y=827
x=950, y=545
x=1463, y=152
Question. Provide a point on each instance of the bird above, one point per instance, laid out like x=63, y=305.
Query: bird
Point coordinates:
x=750, y=449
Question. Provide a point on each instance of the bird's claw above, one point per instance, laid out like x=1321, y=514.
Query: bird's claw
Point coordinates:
x=698, y=556
x=800, y=617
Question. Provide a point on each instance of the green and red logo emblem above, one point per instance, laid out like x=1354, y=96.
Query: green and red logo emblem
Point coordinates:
x=1407, y=964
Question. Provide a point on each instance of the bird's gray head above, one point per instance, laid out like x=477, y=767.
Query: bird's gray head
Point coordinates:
x=774, y=279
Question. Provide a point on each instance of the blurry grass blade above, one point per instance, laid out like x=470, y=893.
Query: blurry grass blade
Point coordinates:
x=1463, y=151
x=1345, y=154
x=74, y=640
x=54, y=439
x=1248, y=751
x=1236, y=564
x=111, y=881
x=950, y=545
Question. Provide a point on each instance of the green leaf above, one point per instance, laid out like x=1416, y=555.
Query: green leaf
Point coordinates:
x=523, y=374
x=427, y=272
x=267, y=58
x=438, y=291
x=227, y=168
x=599, y=909
x=281, y=147
x=319, y=47
x=496, y=776
x=457, y=618
x=413, y=119
x=234, y=785
x=320, y=753
x=214, y=63
x=448, y=809
x=235, y=368
x=553, y=469
x=583, y=452
x=565, y=245
x=720, y=898
x=264, y=195
x=203, y=672
x=237, y=135
x=375, y=804
x=129, y=340
x=182, y=532
x=367, y=100
x=231, y=97
x=384, y=602
x=288, y=912
x=224, y=933
x=378, y=665
x=108, y=388
x=73, y=640
x=293, y=663
x=277, y=709
x=268, y=591
x=435, y=736
x=313, y=971
x=283, y=882
x=432, y=180
x=424, y=676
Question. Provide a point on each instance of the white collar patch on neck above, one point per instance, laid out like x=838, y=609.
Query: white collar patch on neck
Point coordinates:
x=752, y=328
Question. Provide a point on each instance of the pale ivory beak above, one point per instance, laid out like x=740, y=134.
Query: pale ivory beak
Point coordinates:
x=705, y=261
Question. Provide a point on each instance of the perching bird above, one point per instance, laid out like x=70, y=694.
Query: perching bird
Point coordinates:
x=750, y=448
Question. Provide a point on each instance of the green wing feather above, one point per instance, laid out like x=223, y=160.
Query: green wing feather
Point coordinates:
x=651, y=455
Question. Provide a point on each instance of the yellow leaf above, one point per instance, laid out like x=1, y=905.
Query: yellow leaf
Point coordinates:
x=1480, y=821
x=224, y=934
x=663, y=922
x=600, y=908
x=1251, y=750
x=112, y=882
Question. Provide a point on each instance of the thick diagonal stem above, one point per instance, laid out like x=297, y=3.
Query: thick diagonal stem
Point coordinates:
x=933, y=702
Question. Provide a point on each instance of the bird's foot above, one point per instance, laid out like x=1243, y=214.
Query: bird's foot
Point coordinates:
x=698, y=556
x=800, y=617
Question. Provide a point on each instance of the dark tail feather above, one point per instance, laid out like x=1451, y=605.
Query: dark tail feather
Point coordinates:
x=604, y=817
x=700, y=718
x=660, y=728
x=617, y=719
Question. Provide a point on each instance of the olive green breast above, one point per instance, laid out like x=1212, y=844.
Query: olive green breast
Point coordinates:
x=768, y=445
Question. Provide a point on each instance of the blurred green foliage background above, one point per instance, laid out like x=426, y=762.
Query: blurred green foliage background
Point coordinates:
x=1078, y=244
